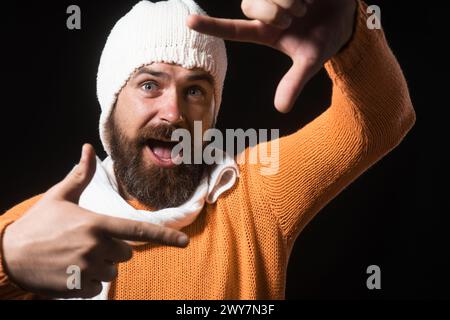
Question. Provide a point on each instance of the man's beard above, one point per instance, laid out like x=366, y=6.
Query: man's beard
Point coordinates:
x=151, y=185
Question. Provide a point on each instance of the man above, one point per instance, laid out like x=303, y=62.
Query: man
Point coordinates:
x=157, y=75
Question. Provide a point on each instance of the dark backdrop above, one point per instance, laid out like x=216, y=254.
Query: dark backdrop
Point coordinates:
x=394, y=216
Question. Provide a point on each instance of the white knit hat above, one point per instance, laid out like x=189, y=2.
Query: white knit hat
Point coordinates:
x=156, y=32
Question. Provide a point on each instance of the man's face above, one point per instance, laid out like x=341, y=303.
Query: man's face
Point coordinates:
x=158, y=99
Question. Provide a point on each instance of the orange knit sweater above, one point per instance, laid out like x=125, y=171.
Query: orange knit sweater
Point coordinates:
x=240, y=246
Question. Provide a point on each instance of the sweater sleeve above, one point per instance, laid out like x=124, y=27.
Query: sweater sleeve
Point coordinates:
x=7, y=289
x=370, y=114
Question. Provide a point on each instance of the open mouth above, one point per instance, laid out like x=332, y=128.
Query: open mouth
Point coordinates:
x=161, y=152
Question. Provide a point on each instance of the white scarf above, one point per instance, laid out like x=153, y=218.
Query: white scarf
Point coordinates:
x=102, y=196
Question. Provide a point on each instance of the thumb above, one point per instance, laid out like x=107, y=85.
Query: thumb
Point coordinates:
x=77, y=180
x=293, y=83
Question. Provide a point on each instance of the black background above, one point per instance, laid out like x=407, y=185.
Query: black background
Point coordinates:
x=394, y=216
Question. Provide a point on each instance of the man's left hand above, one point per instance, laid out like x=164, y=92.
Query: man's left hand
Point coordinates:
x=310, y=32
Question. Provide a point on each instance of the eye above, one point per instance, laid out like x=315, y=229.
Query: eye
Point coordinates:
x=195, y=91
x=149, y=86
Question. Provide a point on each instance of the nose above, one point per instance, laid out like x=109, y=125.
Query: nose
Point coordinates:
x=170, y=108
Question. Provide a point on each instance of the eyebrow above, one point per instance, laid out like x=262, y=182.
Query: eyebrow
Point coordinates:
x=201, y=76
x=157, y=74
x=192, y=77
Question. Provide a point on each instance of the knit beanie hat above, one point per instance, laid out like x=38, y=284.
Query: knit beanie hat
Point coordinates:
x=156, y=32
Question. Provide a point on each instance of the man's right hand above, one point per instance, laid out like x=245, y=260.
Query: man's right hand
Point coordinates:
x=56, y=233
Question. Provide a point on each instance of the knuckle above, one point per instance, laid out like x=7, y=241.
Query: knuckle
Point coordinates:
x=138, y=230
x=87, y=228
x=78, y=176
x=85, y=225
x=87, y=249
x=91, y=245
x=313, y=57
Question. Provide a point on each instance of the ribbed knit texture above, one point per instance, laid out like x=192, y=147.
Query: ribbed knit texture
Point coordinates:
x=240, y=246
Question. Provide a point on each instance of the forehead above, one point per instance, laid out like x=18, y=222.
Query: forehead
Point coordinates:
x=174, y=71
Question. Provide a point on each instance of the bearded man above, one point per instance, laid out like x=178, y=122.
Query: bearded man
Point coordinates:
x=119, y=221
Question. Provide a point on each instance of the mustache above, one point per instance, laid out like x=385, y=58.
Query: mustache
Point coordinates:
x=159, y=132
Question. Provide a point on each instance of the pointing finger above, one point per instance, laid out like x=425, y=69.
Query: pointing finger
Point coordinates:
x=141, y=231
x=232, y=29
